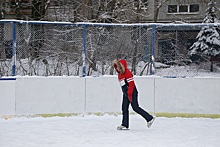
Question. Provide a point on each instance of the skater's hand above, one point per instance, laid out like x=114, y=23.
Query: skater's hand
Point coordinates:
x=130, y=96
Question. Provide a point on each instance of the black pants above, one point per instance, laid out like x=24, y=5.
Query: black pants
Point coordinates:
x=135, y=107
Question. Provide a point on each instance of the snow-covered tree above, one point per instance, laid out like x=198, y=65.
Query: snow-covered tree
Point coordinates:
x=208, y=39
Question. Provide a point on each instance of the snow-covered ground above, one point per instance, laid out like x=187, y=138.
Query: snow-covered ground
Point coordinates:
x=100, y=131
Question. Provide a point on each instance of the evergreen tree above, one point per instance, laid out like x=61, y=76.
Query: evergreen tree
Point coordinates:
x=208, y=39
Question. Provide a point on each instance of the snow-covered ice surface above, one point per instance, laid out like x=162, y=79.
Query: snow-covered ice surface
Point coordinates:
x=100, y=131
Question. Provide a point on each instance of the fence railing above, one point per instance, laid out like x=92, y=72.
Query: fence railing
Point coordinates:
x=87, y=49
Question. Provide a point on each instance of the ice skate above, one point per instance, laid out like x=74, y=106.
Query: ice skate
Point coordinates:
x=151, y=122
x=122, y=128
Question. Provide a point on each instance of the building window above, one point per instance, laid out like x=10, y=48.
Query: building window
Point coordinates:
x=172, y=8
x=194, y=8
x=143, y=4
x=14, y=3
x=2, y=14
x=58, y=3
x=183, y=8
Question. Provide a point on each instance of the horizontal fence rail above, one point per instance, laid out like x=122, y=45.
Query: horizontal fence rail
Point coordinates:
x=87, y=49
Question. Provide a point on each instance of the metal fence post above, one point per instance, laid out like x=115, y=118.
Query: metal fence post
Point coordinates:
x=153, y=49
x=14, y=49
x=84, y=52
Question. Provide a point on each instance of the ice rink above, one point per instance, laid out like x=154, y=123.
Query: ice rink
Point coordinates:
x=100, y=131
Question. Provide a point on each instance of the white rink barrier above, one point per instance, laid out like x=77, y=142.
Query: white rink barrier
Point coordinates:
x=7, y=96
x=53, y=95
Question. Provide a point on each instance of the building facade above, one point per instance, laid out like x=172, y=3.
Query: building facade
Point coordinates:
x=130, y=11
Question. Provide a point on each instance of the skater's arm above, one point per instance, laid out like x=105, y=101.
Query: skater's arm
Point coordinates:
x=130, y=80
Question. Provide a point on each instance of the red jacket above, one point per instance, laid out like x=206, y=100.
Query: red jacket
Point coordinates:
x=127, y=81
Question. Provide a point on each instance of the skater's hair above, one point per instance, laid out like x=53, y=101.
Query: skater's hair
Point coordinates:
x=118, y=66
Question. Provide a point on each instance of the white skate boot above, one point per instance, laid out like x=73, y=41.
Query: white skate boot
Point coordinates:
x=122, y=128
x=151, y=122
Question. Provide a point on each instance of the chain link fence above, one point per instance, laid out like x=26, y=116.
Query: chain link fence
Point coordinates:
x=173, y=44
x=86, y=49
